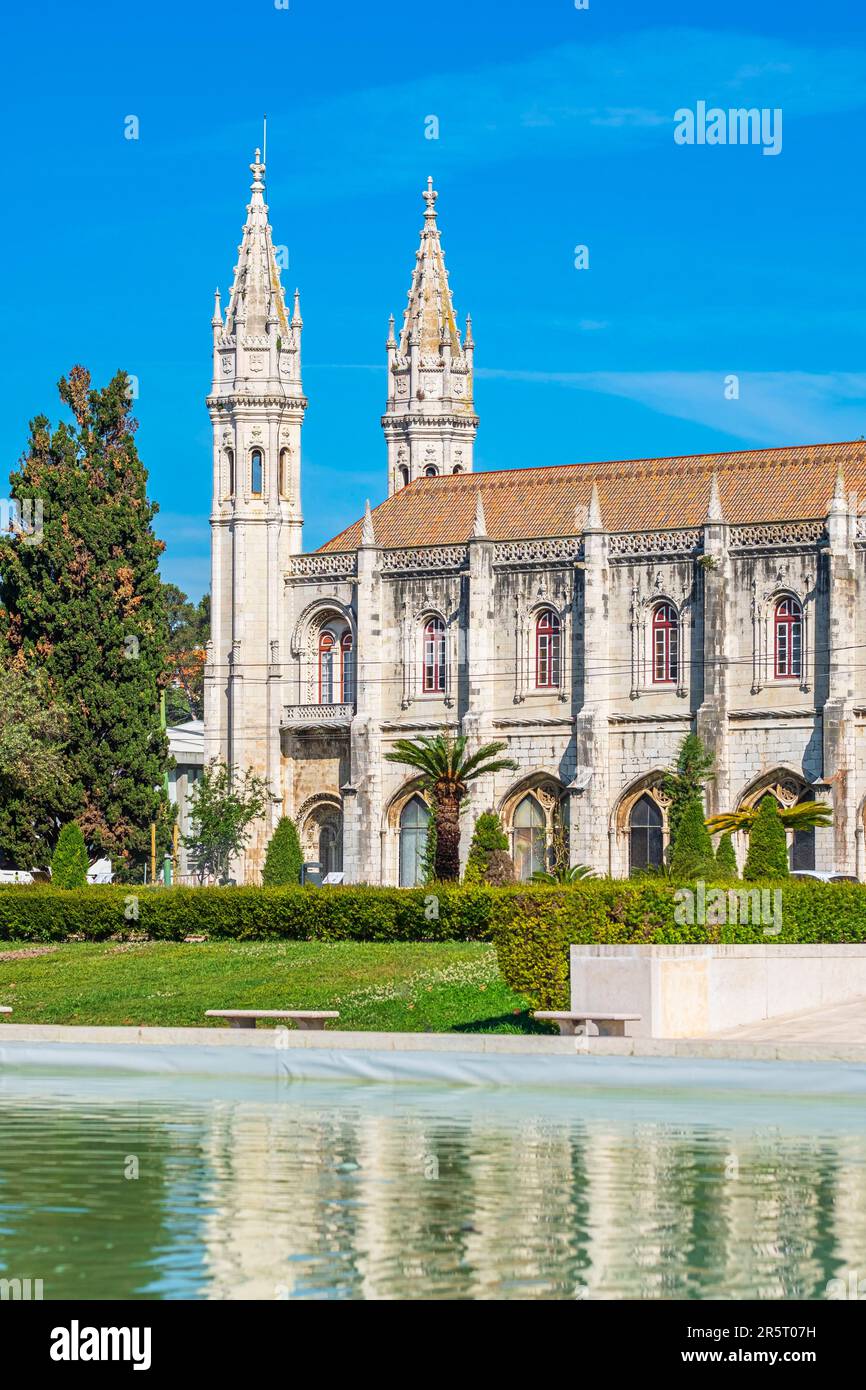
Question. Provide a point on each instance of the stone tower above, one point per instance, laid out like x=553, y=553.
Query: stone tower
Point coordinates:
x=256, y=405
x=429, y=421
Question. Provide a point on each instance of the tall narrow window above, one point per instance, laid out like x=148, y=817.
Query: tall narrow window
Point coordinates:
x=230, y=472
x=789, y=638
x=547, y=649
x=528, y=838
x=285, y=473
x=327, y=667
x=433, y=674
x=414, y=824
x=646, y=835
x=348, y=668
x=404, y=476
x=256, y=473
x=665, y=644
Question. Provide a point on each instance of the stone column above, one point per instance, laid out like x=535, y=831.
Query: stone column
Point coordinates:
x=838, y=722
x=712, y=715
x=478, y=642
x=590, y=790
x=362, y=797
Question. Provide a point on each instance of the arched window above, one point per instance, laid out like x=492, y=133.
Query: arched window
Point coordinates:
x=646, y=838
x=528, y=838
x=348, y=668
x=665, y=644
x=788, y=644
x=256, y=473
x=404, y=476
x=285, y=473
x=458, y=468
x=547, y=649
x=230, y=472
x=414, y=824
x=327, y=668
x=431, y=472
x=330, y=848
x=433, y=671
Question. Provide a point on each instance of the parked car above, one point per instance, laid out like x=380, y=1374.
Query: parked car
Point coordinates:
x=823, y=876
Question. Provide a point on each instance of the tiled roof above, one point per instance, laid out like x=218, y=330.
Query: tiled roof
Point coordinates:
x=755, y=485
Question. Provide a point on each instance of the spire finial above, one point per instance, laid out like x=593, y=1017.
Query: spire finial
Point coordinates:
x=839, y=501
x=714, y=505
x=392, y=341
x=479, y=531
x=368, y=535
x=430, y=196
x=297, y=321
x=257, y=169
x=216, y=321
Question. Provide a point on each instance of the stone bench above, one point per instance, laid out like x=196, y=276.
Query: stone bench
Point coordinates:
x=247, y=1018
x=570, y=1024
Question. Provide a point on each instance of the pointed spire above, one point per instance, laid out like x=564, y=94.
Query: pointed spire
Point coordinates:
x=392, y=341
x=297, y=321
x=256, y=293
x=430, y=314
x=593, y=519
x=368, y=535
x=468, y=340
x=839, y=501
x=217, y=320
x=714, y=506
x=479, y=531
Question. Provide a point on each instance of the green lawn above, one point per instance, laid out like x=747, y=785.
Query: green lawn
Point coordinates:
x=415, y=987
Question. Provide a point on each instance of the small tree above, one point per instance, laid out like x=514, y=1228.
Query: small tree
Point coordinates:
x=692, y=855
x=768, y=848
x=69, y=863
x=685, y=782
x=223, y=805
x=488, y=838
x=726, y=859
x=283, y=858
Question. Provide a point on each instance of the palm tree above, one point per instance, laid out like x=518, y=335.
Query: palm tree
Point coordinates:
x=563, y=873
x=807, y=815
x=446, y=772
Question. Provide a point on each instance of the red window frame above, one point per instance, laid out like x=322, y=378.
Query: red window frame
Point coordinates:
x=347, y=671
x=666, y=644
x=433, y=666
x=788, y=639
x=327, y=650
x=548, y=634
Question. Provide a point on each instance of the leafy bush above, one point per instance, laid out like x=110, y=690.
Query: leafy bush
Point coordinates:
x=768, y=846
x=70, y=862
x=283, y=857
x=692, y=855
x=488, y=839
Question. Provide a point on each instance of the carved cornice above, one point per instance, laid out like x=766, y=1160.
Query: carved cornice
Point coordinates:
x=548, y=549
x=336, y=564
x=223, y=403
x=626, y=545
x=467, y=421
x=434, y=557
x=752, y=537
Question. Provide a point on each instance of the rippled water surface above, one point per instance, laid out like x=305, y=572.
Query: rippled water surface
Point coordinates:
x=120, y=1188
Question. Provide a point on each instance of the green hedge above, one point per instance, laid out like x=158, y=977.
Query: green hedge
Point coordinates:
x=42, y=913
x=533, y=927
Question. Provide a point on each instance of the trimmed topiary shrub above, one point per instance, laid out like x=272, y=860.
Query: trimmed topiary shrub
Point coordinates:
x=768, y=847
x=283, y=857
x=692, y=855
x=488, y=852
x=70, y=861
x=726, y=860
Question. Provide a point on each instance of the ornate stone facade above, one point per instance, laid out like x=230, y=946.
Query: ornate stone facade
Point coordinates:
x=530, y=606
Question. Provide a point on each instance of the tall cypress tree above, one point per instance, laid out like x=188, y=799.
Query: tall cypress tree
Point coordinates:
x=768, y=848
x=81, y=600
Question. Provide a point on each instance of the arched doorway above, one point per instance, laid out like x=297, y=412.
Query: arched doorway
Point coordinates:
x=645, y=835
x=414, y=827
x=331, y=848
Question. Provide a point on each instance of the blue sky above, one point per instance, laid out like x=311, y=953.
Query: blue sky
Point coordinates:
x=555, y=129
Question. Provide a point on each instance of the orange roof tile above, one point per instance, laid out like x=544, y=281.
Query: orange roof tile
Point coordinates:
x=755, y=485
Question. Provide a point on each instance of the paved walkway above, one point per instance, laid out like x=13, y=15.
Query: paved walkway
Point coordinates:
x=843, y=1023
